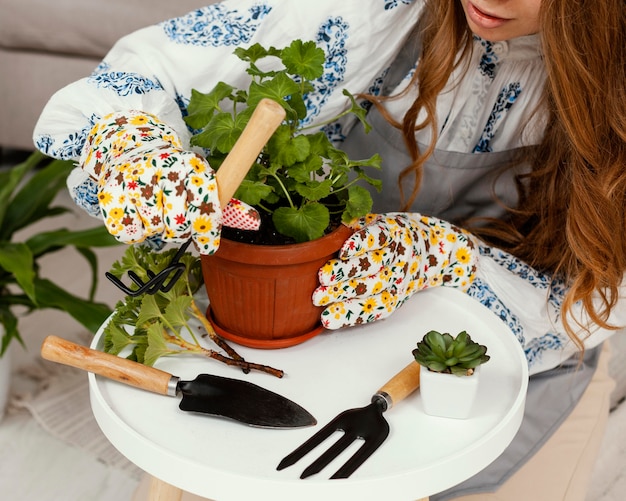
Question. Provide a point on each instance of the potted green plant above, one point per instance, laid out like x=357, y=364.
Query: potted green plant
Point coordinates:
x=303, y=187
x=27, y=196
x=449, y=373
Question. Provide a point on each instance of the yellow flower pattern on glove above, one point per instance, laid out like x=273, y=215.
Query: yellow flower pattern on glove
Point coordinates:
x=148, y=185
x=389, y=258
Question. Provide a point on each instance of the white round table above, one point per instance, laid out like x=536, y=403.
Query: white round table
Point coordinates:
x=224, y=460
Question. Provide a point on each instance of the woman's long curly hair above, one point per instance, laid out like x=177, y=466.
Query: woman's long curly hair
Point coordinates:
x=571, y=217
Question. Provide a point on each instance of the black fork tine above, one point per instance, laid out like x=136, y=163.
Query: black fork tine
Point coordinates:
x=310, y=444
x=366, y=423
x=333, y=451
x=359, y=457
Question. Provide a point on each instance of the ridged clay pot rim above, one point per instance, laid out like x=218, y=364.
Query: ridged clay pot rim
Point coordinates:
x=282, y=254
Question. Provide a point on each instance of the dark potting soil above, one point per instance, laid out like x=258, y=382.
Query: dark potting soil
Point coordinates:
x=266, y=235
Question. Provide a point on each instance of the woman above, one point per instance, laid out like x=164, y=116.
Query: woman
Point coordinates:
x=506, y=117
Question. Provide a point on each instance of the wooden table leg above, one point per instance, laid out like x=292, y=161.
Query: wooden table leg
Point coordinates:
x=162, y=491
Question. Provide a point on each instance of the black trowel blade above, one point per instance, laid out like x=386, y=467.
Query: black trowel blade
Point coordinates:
x=242, y=401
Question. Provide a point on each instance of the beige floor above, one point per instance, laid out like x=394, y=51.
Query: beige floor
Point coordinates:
x=36, y=465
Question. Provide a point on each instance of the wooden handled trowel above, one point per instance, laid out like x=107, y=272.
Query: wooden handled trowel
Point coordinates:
x=209, y=394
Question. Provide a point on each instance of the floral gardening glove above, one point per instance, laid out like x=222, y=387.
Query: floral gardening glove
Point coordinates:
x=148, y=186
x=387, y=259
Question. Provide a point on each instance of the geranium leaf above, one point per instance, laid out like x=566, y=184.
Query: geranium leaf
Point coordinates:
x=357, y=110
x=287, y=150
x=304, y=58
x=252, y=192
x=303, y=224
x=177, y=311
x=314, y=190
x=277, y=89
x=358, y=205
x=118, y=339
x=157, y=347
x=149, y=311
x=203, y=106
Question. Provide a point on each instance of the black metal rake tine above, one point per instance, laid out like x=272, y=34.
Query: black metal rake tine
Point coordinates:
x=157, y=281
x=122, y=286
x=149, y=287
x=137, y=280
x=180, y=269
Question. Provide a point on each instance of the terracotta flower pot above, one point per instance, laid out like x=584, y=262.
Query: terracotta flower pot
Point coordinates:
x=260, y=295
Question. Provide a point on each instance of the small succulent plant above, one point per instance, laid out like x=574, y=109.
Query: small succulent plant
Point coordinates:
x=451, y=355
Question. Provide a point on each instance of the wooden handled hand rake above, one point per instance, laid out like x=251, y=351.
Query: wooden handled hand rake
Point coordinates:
x=265, y=119
x=365, y=423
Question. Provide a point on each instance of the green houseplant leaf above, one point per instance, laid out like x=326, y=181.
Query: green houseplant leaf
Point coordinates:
x=27, y=196
x=301, y=179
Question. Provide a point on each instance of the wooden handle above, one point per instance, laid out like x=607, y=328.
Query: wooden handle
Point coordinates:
x=110, y=366
x=265, y=119
x=403, y=383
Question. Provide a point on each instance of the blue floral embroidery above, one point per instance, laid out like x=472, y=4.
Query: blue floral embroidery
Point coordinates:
x=334, y=131
x=489, y=59
x=72, y=145
x=101, y=68
x=392, y=4
x=183, y=103
x=517, y=267
x=505, y=100
x=85, y=195
x=557, y=295
x=68, y=150
x=44, y=143
x=481, y=291
x=538, y=346
x=331, y=37
x=377, y=85
x=122, y=83
x=215, y=26
x=556, y=286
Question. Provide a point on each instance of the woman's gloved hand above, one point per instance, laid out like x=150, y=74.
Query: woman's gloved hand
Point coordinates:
x=148, y=186
x=387, y=259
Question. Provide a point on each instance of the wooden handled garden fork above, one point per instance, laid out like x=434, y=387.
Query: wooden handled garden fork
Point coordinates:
x=365, y=423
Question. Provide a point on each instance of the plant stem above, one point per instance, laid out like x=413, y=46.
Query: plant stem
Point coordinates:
x=285, y=190
x=213, y=335
x=319, y=125
x=197, y=349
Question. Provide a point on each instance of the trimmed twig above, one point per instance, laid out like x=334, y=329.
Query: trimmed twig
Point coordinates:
x=213, y=335
x=240, y=362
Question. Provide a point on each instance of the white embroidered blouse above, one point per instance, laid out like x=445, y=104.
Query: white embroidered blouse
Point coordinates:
x=489, y=105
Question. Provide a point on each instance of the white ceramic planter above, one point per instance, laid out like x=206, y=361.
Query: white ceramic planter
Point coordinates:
x=447, y=395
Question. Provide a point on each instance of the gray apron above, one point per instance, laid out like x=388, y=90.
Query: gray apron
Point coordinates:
x=457, y=186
